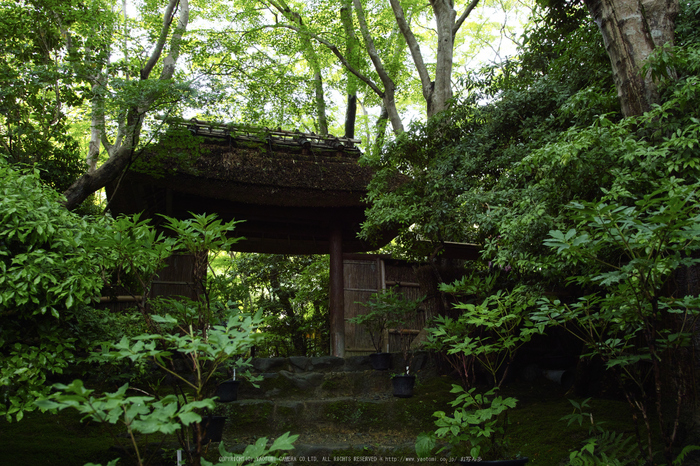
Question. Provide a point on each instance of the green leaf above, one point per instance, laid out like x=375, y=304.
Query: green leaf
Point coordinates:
x=284, y=442
x=425, y=443
x=46, y=404
x=190, y=417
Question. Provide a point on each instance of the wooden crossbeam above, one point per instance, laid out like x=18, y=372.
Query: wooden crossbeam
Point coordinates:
x=256, y=134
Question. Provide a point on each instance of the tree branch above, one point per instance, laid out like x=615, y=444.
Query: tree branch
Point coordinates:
x=338, y=54
x=405, y=29
x=369, y=45
x=463, y=16
x=175, y=42
x=127, y=139
x=158, y=49
x=389, y=85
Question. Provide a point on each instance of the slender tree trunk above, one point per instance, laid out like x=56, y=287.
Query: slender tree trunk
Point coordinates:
x=389, y=94
x=381, y=130
x=351, y=116
x=311, y=58
x=320, y=104
x=367, y=133
x=96, y=126
x=351, y=49
x=632, y=30
x=121, y=152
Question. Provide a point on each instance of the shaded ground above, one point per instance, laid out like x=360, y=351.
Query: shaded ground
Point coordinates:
x=535, y=431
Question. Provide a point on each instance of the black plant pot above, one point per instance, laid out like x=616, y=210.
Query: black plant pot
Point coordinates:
x=380, y=361
x=403, y=385
x=212, y=428
x=227, y=391
x=518, y=462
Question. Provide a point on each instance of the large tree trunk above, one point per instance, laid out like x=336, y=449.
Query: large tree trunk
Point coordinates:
x=441, y=91
x=94, y=180
x=632, y=30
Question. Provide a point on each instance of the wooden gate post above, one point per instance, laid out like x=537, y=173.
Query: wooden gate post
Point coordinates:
x=337, y=310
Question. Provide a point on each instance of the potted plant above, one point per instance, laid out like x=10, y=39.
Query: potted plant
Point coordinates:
x=212, y=429
x=402, y=312
x=403, y=383
x=375, y=321
x=227, y=390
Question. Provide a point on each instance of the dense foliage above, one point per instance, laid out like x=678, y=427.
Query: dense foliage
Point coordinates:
x=589, y=220
x=467, y=165
x=568, y=199
x=36, y=94
x=54, y=266
x=49, y=275
x=531, y=136
x=292, y=294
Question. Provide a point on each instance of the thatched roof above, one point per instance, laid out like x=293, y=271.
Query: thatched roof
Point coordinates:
x=291, y=188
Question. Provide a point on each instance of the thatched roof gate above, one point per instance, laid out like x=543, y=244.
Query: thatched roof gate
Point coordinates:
x=297, y=193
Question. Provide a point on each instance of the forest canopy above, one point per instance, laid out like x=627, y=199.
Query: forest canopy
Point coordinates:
x=573, y=164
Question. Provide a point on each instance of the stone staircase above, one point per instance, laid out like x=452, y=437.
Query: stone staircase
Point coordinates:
x=343, y=411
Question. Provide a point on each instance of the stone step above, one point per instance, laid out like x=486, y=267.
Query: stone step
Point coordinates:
x=343, y=411
x=367, y=413
x=322, y=377
x=334, y=364
x=310, y=385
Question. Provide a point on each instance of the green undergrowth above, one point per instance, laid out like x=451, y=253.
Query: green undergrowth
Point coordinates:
x=536, y=429
x=53, y=440
x=63, y=440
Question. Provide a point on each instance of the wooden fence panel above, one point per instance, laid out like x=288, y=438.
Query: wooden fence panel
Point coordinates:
x=401, y=277
x=361, y=278
x=178, y=278
x=364, y=276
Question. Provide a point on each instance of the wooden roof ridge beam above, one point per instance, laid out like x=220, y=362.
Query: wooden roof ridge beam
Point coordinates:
x=216, y=129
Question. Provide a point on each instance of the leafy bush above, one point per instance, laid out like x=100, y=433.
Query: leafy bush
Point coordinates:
x=575, y=202
x=488, y=331
x=188, y=340
x=476, y=428
x=48, y=278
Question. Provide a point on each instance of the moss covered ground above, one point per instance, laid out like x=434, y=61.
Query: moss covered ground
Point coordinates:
x=535, y=428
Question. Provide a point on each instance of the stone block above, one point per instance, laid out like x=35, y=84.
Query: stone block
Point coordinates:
x=327, y=363
x=300, y=363
x=269, y=364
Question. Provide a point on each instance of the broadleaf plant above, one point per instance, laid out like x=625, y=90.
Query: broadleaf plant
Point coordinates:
x=632, y=316
x=189, y=340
